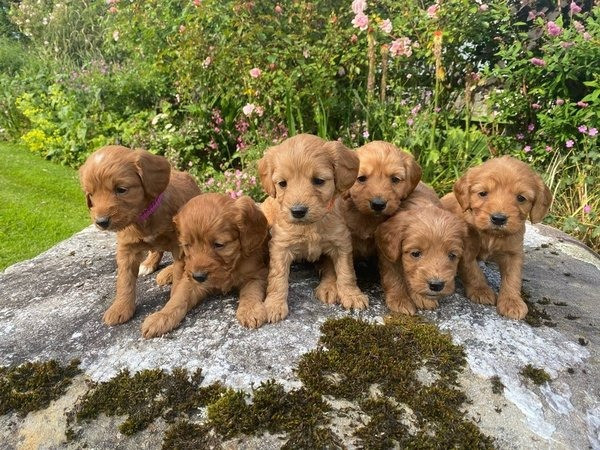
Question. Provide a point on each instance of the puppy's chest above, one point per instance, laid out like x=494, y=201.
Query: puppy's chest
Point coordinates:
x=308, y=245
x=491, y=246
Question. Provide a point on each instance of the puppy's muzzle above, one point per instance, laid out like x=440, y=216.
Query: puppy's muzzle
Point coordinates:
x=102, y=222
x=378, y=204
x=498, y=219
x=200, y=277
x=299, y=211
x=436, y=285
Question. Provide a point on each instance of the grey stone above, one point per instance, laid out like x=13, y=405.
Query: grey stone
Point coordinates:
x=52, y=307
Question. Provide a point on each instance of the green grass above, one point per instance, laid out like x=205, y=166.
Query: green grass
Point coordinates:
x=40, y=204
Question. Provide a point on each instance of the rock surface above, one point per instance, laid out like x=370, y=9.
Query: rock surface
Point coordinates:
x=52, y=307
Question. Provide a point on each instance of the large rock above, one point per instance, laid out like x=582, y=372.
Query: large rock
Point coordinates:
x=52, y=307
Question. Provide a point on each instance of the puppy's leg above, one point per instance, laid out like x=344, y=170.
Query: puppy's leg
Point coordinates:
x=476, y=286
x=151, y=263
x=178, y=265
x=278, y=283
x=128, y=264
x=396, y=295
x=165, y=276
x=327, y=289
x=423, y=302
x=510, y=303
x=184, y=297
x=350, y=296
x=251, y=311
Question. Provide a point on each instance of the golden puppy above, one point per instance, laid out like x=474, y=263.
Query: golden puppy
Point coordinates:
x=420, y=248
x=136, y=194
x=494, y=199
x=303, y=175
x=386, y=177
x=225, y=246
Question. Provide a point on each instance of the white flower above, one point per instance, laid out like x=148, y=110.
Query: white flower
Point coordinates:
x=386, y=26
x=248, y=109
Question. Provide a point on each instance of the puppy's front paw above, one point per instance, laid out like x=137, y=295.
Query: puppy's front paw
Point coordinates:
x=252, y=316
x=483, y=294
x=157, y=324
x=512, y=307
x=165, y=276
x=276, y=310
x=354, y=300
x=145, y=270
x=424, y=302
x=401, y=305
x=327, y=292
x=118, y=313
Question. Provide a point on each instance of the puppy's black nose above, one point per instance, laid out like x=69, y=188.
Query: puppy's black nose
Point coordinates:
x=378, y=204
x=498, y=219
x=200, y=277
x=102, y=222
x=299, y=211
x=436, y=285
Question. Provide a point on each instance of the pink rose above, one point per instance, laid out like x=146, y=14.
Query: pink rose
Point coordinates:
x=386, y=26
x=255, y=73
x=401, y=47
x=359, y=6
x=432, y=11
x=361, y=22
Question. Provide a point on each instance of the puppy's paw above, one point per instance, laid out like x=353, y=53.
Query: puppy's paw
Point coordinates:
x=512, y=307
x=157, y=324
x=327, y=292
x=165, y=276
x=276, y=310
x=252, y=316
x=422, y=302
x=483, y=294
x=400, y=305
x=118, y=313
x=354, y=299
x=145, y=270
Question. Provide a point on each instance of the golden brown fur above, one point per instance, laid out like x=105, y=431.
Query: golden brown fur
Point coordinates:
x=501, y=188
x=307, y=173
x=119, y=184
x=419, y=251
x=225, y=246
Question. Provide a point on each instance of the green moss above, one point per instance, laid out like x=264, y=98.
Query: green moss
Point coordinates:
x=571, y=317
x=560, y=303
x=32, y=386
x=308, y=437
x=537, y=376
x=537, y=317
x=497, y=385
x=185, y=435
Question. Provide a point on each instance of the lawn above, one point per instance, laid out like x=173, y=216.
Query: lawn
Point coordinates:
x=40, y=204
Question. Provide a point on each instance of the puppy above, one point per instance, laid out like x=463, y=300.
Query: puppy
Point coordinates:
x=494, y=199
x=136, y=194
x=386, y=177
x=303, y=175
x=225, y=246
x=420, y=248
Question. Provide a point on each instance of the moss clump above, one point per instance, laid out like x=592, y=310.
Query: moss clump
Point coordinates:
x=537, y=376
x=310, y=437
x=185, y=435
x=497, y=385
x=32, y=386
x=538, y=317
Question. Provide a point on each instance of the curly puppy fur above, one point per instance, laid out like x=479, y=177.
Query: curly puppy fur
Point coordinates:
x=495, y=199
x=419, y=249
x=225, y=246
x=386, y=177
x=119, y=184
x=303, y=175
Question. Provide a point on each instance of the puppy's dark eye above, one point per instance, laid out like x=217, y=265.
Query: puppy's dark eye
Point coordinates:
x=520, y=198
x=120, y=190
x=362, y=179
x=318, y=181
x=282, y=183
x=483, y=194
x=451, y=256
x=218, y=244
x=415, y=253
x=396, y=180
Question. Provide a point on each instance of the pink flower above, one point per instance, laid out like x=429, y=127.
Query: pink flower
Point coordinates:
x=587, y=209
x=574, y=8
x=567, y=44
x=532, y=15
x=113, y=10
x=536, y=106
x=587, y=36
x=582, y=129
x=520, y=136
x=530, y=127
x=410, y=122
x=255, y=73
x=386, y=26
x=527, y=148
x=582, y=104
x=210, y=181
x=415, y=110
x=538, y=62
x=578, y=26
x=259, y=110
x=548, y=148
x=207, y=61
x=483, y=7
x=592, y=132
x=553, y=29
x=432, y=11
x=401, y=47
x=278, y=9
x=248, y=109
x=361, y=21
x=366, y=134
x=181, y=28
x=569, y=143
x=197, y=2
x=212, y=144
x=354, y=39
x=560, y=101
x=359, y=6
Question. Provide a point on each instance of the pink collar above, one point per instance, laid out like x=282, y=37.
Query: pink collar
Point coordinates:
x=151, y=209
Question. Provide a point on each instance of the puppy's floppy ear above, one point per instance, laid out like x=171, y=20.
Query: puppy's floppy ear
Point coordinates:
x=389, y=236
x=88, y=200
x=154, y=171
x=413, y=171
x=345, y=163
x=462, y=190
x=265, y=172
x=252, y=224
x=543, y=199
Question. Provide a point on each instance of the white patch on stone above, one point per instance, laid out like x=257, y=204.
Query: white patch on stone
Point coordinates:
x=533, y=238
x=558, y=397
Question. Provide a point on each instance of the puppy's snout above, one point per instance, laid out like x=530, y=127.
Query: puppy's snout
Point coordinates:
x=299, y=211
x=200, y=277
x=103, y=222
x=436, y=285
x=498, y=219
x=378, y=204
